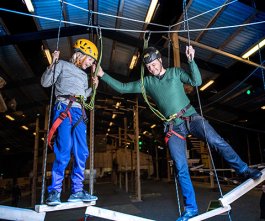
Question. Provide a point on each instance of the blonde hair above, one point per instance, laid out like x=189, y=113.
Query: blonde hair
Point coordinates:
x=78, y=58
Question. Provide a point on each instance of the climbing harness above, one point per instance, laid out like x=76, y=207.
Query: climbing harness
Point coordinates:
x=66, y=113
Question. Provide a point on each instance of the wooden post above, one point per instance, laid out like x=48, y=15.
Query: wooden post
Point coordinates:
x=157, y=173
x=126, y=153
x=119, y=137
x=211, y=173
x=176, y=51
x=136, y=139
x=35, y=163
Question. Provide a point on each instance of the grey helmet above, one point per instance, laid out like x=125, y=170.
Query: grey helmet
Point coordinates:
x=150, y=54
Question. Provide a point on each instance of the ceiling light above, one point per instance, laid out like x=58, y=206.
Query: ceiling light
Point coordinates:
x=34, y=133
x=118, y=104
x=24, y=127
x=110, y=124
x=151, y=11
x=108, y=129
x=263, y=107
x=48, y=55
x=9, y=117
x=133, y=62
x=114, y=115
x=154, y=125
x=29, y=5
x=207, y=85
x=254, y=49
x=145, y=132
x=7, y=148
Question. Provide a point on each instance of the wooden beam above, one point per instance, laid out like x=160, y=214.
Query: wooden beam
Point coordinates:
x=62, y=206
x=211, y=213
x=242, y=189
x=15, y=213
x=194, y=43
x=112, y=215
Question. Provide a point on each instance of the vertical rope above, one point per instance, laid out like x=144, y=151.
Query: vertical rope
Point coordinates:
x=49, y=113
x=186, y=25
x=175, y=174
x=260, y=56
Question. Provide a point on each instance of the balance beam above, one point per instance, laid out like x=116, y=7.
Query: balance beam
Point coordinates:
x=242, y=189
x=15, y=213
x=62, y=206
x=211, y=213
x=112, y=215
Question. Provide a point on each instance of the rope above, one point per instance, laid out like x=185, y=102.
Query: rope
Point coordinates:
x=49, y=114
x=153, y=109
x=90, y=106
x=175, y=174
x=260, y=56
x=186, y=25
x=115, y=16
x=134, y=30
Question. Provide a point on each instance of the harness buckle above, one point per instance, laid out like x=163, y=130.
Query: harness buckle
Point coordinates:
x=63, y=115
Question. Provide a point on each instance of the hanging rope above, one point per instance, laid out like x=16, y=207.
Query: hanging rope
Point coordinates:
x=186, y=27
x=90, y=105
x=175, y=174
x=49, y=112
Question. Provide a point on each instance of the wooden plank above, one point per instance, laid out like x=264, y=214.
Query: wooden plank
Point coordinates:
x=62, y=206
x=241, y=190
x=211, y=213
x=15, y=213
x=112, y=215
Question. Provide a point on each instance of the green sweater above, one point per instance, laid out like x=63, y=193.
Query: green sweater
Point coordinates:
x=168, y=92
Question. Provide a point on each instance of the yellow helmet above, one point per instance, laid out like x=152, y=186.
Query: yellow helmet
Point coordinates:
x=86, y=47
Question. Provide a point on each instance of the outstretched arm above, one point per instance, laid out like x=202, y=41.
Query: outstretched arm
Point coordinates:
x=123, y=88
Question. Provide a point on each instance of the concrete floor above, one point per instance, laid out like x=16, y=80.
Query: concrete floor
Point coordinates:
x=158, y=203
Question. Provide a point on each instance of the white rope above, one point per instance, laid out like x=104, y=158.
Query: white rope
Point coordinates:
x=134, y=30
x=114, y=16
x=196, y=16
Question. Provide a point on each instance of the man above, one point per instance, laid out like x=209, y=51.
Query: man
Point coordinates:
x=71, y=91
x=165, y=86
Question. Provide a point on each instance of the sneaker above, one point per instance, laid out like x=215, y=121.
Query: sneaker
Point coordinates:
x=82, y=196
x=53, y=198
x=251, y=173
x=187, y=215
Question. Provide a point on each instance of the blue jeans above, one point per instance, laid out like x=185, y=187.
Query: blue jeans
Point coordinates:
x=177, y=148
x=69, y=142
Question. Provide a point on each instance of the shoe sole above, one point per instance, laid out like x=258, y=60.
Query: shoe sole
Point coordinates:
x=53, y=203
x=80, y=200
